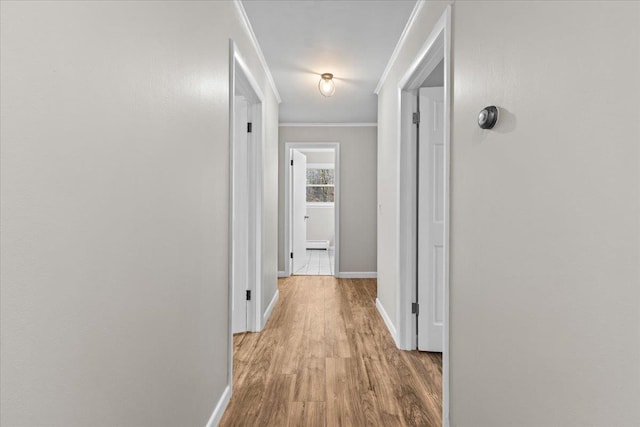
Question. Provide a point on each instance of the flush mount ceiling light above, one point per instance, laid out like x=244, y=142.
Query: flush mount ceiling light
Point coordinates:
x=326, y=85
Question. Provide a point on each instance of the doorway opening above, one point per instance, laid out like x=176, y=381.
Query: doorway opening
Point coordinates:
x=245, y=214
x=425, y=105
x=311, y=208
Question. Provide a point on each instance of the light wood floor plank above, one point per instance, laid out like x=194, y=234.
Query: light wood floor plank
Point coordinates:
x=310, y=381
x=337, y=341
x=325, y=358
x=276, y=412
x=311, y=414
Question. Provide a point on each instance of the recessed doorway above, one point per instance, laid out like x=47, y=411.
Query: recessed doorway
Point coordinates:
x=245, y=215
x=425, y=117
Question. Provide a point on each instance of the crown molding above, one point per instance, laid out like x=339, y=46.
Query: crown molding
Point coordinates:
x=256, y=46
x=354, y=125
x=399, y=45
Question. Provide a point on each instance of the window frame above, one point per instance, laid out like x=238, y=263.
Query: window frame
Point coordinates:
x=322, y=166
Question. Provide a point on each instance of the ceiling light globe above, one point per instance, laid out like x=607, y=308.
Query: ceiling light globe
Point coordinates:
x=326, y=85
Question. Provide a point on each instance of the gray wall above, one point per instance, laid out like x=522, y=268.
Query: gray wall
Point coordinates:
x=545, y=232
x=358, y=152
x=114, y=210
x=318, y=157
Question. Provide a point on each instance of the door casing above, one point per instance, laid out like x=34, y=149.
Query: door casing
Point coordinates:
x=436, y=48
x=298, y=209
x=288, y=224
x=242, y=82
x=240, y=218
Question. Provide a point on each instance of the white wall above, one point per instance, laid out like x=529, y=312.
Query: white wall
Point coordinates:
x=545, y=280
x=320, y=225
x=115, y=210
x=358, y=148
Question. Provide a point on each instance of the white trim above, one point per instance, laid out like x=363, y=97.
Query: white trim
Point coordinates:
x=355, y=125
x=272, y=304
x=410, y=81
x=218, y=411
x=406, y=237
x=288, y=146
x=240, y=75
x=232, y=107
x=448, y=99
x=318, y=165
x=437, y=43
x=357, y=275
x=317, y=150
x=320, y=204
x=282, y=274
x=410, y=74
x=399, y=45
x=387, y=321
x=256, y=46
x=256, y=205
x=238, y=68
x=241, y=83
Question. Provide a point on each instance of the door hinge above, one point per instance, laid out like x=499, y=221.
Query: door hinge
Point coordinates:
x=291, y=162
x=415, y=308
x=291, y=255
x=248, y=295
x=249, y=127
x=416, y=118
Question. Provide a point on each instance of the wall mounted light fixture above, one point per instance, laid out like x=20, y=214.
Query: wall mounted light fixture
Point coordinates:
x=326, y=85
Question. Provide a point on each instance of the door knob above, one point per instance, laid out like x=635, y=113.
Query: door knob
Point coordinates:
x=306, y=217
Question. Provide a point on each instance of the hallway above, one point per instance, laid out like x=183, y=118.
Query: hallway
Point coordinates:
x=326, y=358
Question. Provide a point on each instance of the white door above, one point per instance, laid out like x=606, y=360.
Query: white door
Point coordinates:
x=299, y=210
x=240, y=216
x=431, y=219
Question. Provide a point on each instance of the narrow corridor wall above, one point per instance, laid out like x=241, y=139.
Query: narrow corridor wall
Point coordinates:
x=115, y=189
x=545, y=230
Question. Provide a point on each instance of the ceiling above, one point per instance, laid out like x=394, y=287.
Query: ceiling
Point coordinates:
x=304, y=38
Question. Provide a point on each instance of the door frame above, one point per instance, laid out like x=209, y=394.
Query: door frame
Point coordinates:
x=437, y=47
x=242, y=82
x=288, y=146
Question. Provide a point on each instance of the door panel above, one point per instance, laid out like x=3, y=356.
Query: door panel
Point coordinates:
x=431, y=219
x=240, y=243
x=299, y=209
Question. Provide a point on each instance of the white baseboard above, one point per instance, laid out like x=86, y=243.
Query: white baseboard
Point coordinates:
x=269, y=309
x=282, y=274
x=215, y=418
x=387, y=321
x=357, y=275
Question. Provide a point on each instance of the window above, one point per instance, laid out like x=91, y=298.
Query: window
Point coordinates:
x=320, y=184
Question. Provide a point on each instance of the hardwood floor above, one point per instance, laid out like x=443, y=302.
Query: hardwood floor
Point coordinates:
x=326, y=358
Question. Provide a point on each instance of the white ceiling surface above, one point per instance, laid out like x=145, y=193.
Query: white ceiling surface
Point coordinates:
x=302, y=39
